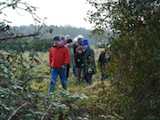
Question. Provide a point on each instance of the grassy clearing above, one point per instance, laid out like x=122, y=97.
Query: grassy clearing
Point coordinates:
x=43, y=69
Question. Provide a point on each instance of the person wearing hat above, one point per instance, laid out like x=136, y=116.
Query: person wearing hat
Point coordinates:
x=59, y=58
x=66, y=39
x=78, y=57
x=78, y=42
x=89, y=67
x=103, y=61
x=72, y=63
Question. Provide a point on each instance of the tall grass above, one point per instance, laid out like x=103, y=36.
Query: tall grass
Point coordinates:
x=43, y=69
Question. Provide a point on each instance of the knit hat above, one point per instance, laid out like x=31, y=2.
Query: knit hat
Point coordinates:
x=56, y=38
x=67, y=37
x=85, y=42
x=75, y=39
x=80, y=36
x=69, y=40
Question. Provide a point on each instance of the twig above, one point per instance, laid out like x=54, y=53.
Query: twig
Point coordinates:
x=15, y=111
x=32, y=77
x=79, y=107
x=42, y=118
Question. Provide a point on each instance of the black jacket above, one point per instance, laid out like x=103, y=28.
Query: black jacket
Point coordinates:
x=103, y=60
x=78, y=60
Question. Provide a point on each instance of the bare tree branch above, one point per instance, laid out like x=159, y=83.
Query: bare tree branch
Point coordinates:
x=18, y=36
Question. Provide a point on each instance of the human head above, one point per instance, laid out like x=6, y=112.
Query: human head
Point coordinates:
x=62, y=38
x=75, y=39
x=85, y=44
x=79, y=39
x=80, y=36
x=67, y=37
x=79, y=49
x=56, y=40
x=69, y=41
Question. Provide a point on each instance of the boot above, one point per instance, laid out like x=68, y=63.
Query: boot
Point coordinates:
x=64, y=87
x=51, y=89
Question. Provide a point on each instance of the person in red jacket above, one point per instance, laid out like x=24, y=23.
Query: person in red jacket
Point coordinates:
x=59, y=58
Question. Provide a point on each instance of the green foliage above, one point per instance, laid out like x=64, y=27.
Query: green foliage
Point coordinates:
x=20, y=90
x=134, y=68
x=18, y=99
x=131, y=91
x=24, y=95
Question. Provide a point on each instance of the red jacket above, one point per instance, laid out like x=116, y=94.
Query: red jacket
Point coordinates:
x=59, y=56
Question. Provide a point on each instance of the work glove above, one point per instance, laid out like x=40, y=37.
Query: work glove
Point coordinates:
x=64, y=66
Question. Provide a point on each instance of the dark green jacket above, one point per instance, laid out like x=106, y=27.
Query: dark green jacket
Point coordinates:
x=89, y=66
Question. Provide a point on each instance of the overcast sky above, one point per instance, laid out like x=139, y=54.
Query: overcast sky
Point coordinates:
x=58, y=12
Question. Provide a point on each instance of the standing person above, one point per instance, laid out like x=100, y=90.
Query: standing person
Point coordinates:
x=62, y=39
x=78, y=42
x=66, y=39
x=103, y=60
x=78, y=57
x=89, y=67
x=72, y=62
x=59, y=58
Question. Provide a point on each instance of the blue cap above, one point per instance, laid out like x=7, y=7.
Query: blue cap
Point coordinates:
x=85, y=42
x=56, y=38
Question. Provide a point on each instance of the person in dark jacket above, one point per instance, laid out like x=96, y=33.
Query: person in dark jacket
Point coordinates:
x=72, y=62
x=59, y=58
x=78, y=57
x=103, y=60
x=89, y=68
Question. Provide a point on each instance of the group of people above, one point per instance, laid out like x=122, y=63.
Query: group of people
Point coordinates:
x=76, y=55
